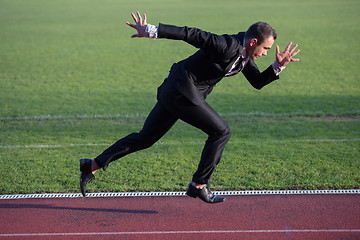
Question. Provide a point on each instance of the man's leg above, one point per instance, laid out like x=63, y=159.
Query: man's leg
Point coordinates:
x=156, y=125
x=205, y=118
x=209, y=121
x=218, y=135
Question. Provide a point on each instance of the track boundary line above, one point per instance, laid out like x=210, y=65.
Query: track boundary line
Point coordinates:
x=143, y=115
x=183, y=232
x=172, y=143
x=170, y=194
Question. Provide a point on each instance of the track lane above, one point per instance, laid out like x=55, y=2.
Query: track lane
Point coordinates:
x=246, y=217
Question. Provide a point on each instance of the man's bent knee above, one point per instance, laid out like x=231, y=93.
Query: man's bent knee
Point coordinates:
x=224, y=135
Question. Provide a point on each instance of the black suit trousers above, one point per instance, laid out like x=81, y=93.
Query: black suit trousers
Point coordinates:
x=172, y=106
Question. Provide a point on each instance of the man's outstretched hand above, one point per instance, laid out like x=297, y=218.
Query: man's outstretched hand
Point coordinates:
x=140, y=25
x=287, y=56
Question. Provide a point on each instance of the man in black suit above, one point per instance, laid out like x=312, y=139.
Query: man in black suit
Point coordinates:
x=183, y=93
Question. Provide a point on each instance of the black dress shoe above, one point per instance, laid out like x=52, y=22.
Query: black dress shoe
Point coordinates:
x=86, y=174
x=204, y=194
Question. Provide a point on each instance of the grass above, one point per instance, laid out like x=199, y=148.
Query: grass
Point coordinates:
x=62, y=62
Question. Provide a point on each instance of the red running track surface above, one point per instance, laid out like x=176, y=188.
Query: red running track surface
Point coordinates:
x=239, y=217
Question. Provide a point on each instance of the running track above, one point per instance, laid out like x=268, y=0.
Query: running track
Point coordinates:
x=322, y=216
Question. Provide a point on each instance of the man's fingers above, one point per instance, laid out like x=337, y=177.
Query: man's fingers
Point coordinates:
x=293, y=54
x=144, y=19
x=295, y=60
x=134, y=17
x=277, y=49
x=140, y=19
x=131, y=25
x=293, y=48
x=288, y=47
x=140, y=24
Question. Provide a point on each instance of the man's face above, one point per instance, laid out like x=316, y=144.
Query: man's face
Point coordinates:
x=255, y=50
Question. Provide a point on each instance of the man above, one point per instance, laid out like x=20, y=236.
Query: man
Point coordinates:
x=182, y=95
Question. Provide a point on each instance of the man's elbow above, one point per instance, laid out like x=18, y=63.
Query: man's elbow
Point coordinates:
x=257, y=86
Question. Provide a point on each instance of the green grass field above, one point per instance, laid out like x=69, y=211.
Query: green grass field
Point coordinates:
x=72, y=82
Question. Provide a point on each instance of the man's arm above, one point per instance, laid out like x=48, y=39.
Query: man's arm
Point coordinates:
x=196, y=37
x=259, y=79
x=213, y=43
x=256, y=78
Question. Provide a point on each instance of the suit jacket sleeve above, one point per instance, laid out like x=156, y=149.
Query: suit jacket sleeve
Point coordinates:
x=213, y=44
x=256, y=78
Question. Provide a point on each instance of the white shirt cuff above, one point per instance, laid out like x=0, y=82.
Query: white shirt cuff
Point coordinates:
x=152, y=30
x=277, y=68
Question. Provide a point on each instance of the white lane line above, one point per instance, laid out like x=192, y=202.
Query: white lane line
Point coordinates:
x=55, y=145
x=183, y=232
x=167, y=194
x=143, y=115
x=169, y=142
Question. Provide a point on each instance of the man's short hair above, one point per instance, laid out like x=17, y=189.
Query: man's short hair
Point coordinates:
x=260, y=31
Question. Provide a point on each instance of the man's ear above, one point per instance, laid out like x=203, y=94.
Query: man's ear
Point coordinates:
x=253, y=42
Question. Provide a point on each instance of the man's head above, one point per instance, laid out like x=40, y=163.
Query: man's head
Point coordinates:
x=259, y=38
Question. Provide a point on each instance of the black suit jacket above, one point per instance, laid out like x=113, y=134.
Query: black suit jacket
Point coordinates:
x=196, y=76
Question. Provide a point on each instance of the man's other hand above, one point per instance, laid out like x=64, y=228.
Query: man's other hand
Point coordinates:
x=287, y=56
x=140, y=25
